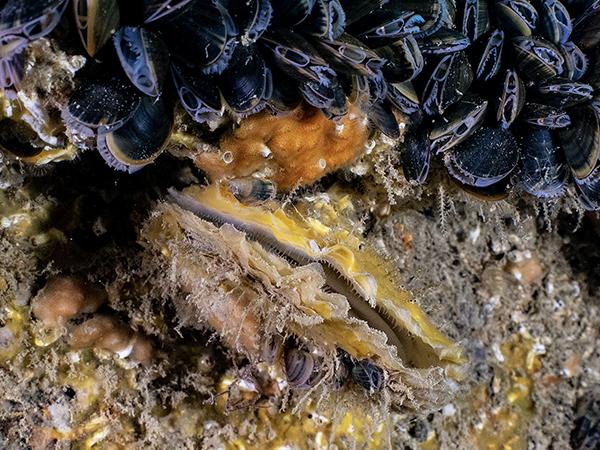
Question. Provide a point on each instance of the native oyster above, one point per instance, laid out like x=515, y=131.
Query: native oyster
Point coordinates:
x=251, y=272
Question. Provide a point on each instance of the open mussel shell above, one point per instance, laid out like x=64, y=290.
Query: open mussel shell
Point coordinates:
x=404, y=60
x=293, y=55
x=444, y=41
x=448, y=82
x=460, y=122
x=588, y=191
x=517, y=17
x=564, y=93
x=198, y=93
x=555, y=21
x=416, y=155
x=144, y=58
x=252, y=17
x=246, y=83
x=545, y=116
x=511, y=99
x=576, y=62
x=543, y=172
x=141, y=138
x=368, y=375
x=22, y=21
x=327, y=20
x=490, y=61
x=581, y=140
x=350, y=55
x=386, y=25
x=103, y=100
x=537, y=58
x=489, y=156
x=435, y=13
x=201, y=37
x=96, y=21
x=474, y=20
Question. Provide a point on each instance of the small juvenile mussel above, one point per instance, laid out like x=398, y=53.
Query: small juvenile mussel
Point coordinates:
x=259, y=271
x=508, y=98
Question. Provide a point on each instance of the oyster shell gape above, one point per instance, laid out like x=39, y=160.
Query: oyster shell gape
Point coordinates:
x=293, y=265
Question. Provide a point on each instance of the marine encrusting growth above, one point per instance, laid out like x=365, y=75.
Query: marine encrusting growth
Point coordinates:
x=504, y=90
x=290, y=150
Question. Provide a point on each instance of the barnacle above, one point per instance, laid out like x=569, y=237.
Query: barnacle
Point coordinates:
x=368, y=315
x=291, y=150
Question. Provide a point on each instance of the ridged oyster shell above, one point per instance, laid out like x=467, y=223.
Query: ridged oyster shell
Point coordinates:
x=240, y=273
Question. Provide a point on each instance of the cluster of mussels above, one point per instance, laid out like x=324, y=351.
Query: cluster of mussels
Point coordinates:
x=303, y=371
x=503, y=89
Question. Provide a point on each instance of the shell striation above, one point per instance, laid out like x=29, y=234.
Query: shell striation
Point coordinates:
x=329, y=287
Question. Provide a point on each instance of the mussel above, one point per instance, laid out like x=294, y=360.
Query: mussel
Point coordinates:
x=198, y=93
x=475, y=20
x=368, y=375
x=326, y=20
x=403, y=60
x=449, y=81
x=555, y=21
x=489, y=156
x=141, y=138
x=576, y=63
x=581, y=140
x=459, y=123
x=543, y=173
x=511, y=99
x=517, y=17
x=537, y=58
x=416, y=155
x=102, y=99
x=96, y=21
x=299, y=367
x=564, y=93
x=491, y=57
x=252, y=17
x=545, y=116
x=144, y=57
x=246, y=83
x=586, y=29
x=202, y=36
x=251, y=190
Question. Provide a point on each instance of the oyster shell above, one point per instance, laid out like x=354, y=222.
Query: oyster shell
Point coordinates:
x=287, y=266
